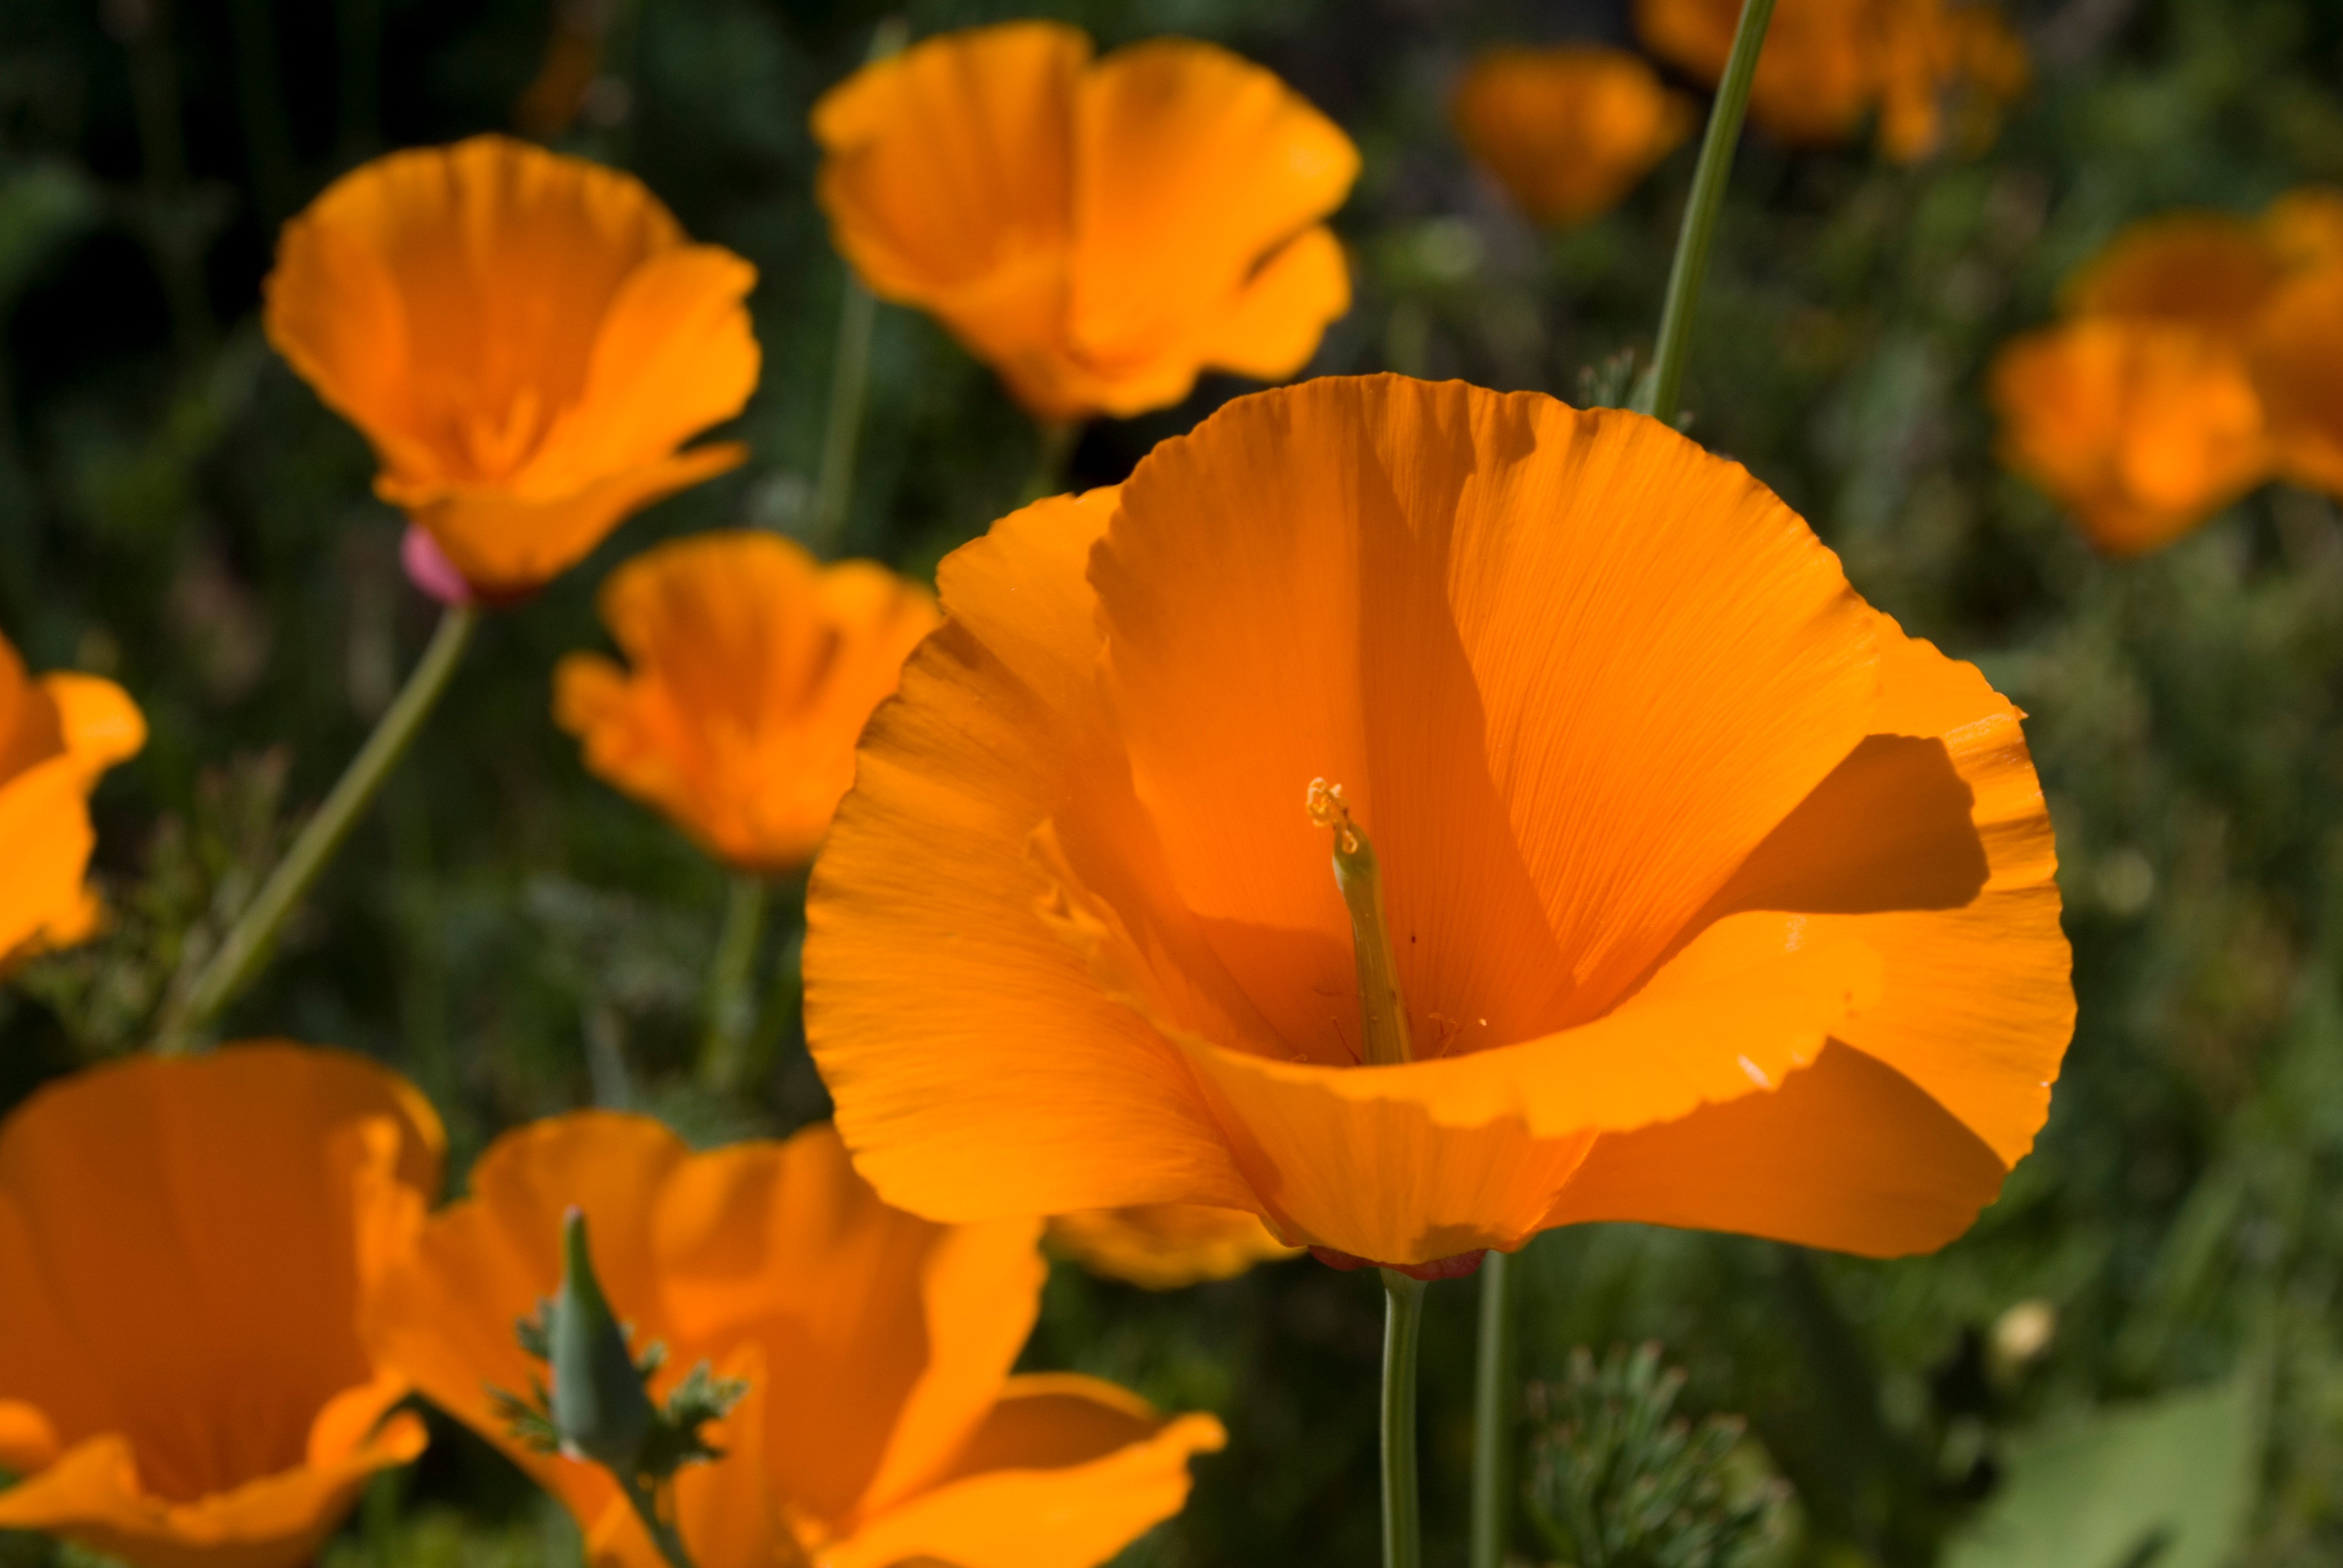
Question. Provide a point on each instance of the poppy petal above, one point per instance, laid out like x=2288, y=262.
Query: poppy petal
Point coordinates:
x=1064, y=1472
x=1163, y=1246
x=1274, y=329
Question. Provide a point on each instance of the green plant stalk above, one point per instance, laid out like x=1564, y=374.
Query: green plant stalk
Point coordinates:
x=731, y=986
x=849, y=367
x=1402, y=1509
x=1663, y=390
x=1057, y=438
x=663, y=1534
x=1492, y=1415
x=246, y=947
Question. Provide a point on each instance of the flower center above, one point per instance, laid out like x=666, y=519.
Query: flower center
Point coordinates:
x=1383, y=1011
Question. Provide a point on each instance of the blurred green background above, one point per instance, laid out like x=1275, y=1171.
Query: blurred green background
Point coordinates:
x=2136, y=1359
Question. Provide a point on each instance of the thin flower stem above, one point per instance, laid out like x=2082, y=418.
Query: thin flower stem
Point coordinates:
x=1492, y=1415
x=1663, y=389
x=1403, y=1511
x=850, y=369
x=1058, y=438
x=731, y=986
x=663, y=1534
x=247, y=947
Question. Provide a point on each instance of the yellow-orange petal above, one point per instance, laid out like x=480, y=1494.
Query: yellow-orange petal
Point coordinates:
x=754, y=669
x=1568, y=131
x=2300, y=379
x=2304, y=228
x=952, y=160
x=187, y=1240
x=2206, y=269
x=1163, y=1246
x=1848, y=1154
x=1273, y=327
x=1065, y=1473
x=1932, y=845
x=2141, y=428
x=1191, y=169
x=961, y=758
x=58, y=735
x=506, y=547
x=1818, y=74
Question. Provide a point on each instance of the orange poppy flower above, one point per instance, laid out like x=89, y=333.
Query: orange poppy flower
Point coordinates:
x=2187, y=375
x=526, y=339
x=755, y=668
x=1568, y=131
x=2296, y=354
x=1099, y=232
x=881, y=1424
x=1713, y=900
x=1163, y=1246
x=57, y=734
x=2142, y=429
x=1828, y=63
x=184, y=1241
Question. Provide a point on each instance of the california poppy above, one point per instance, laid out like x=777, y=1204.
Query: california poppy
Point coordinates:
x=1828, y=63
x=526, y=339
x=185, y=1240
x=1098, y=231
x=1163, y=1246
x=754, y=668
x=57, y=734
x=1713, y=898
x=881, y=1423
x=2187, y=373
x=1568, y=131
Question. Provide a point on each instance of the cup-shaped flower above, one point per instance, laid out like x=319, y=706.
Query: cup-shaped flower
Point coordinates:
x=526, y=339
x=1163, y=1246
x=1712, y=899
x=186, y=1242
x=753, y=671
x=1098, y=231
x=881, y=1424
x=57, y=734
x=1568, y=131
x=1827, y=64
x=2191, y=369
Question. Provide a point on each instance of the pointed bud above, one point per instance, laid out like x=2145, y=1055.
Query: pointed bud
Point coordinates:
x=598, y=1405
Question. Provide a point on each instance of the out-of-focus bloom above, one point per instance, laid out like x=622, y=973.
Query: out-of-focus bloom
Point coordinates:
x=1099, y=232
x=1715, y=900
x=1829, y=63
x=881, y=1424
x=2142, y=429
x=754, y=670
x=2191, y=368
x=1163, y=1246
x=1568, y=131
x=526, y=339
x=57, y=734
x=186, y=1242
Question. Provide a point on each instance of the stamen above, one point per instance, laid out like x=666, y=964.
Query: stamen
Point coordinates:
x=1383, y=1011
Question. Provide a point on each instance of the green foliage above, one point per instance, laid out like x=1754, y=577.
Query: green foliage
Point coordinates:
x=1618, y=1481
x=2165, y=1484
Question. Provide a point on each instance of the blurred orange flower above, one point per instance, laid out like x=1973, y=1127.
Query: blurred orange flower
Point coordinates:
x=57, y=734
x=1163, y=1246
x=1715, y=900
x=2193, y=367
x=1829, y=63
x=1099, y=232
x=185, y=1241
x=526, y=339
x=754, y=670
x=882, y=1425
x=1568, y=131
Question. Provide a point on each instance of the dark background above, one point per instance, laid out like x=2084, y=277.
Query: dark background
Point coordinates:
x=176, y=511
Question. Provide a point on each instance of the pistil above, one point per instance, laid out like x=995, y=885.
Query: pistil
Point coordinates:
x=1383, y=1011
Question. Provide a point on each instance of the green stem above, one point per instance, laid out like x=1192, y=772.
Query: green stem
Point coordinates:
x=1403, y=1328
x=1662, y=389
x=663, y=1534
x=1050, y=459
x=1492, y=1415
x=246, y=949
x=731, y=985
